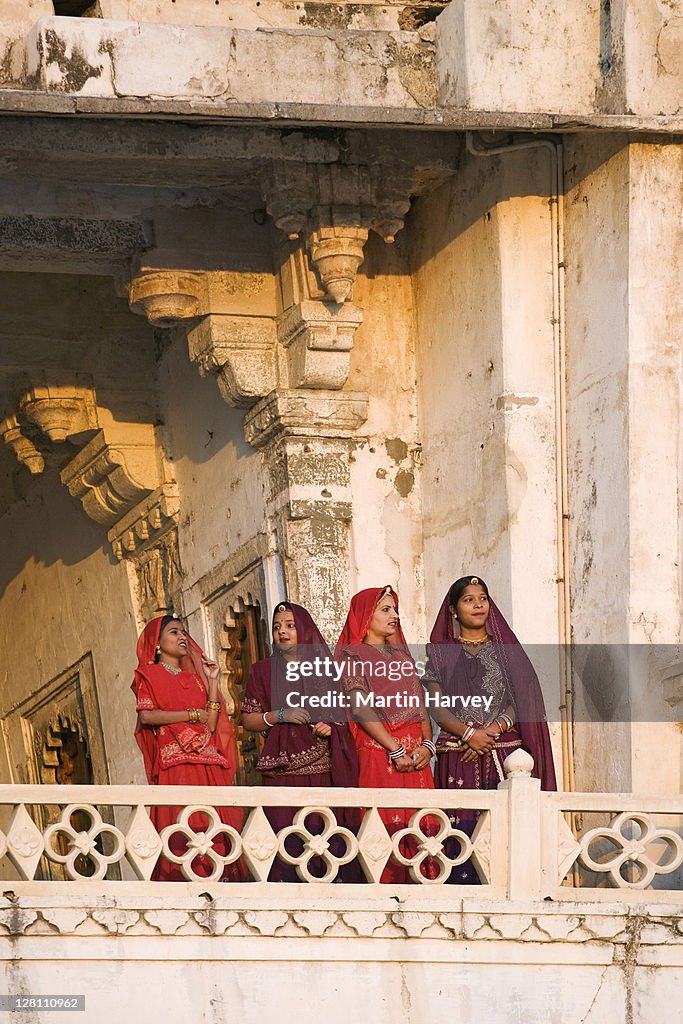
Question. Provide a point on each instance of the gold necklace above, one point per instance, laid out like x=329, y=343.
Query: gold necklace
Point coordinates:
x=175, y=671
x=474, y=643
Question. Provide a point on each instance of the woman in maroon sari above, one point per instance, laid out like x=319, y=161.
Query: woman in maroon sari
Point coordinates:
x=474, y=653
x=185, y=735
x=298, y=751
x=394, y=740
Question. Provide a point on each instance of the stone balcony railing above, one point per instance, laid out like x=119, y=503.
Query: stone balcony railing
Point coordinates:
x=527, y=845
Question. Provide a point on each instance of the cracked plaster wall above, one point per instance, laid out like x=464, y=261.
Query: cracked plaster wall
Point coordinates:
x=623, y=245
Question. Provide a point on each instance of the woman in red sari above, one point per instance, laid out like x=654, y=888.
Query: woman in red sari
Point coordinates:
x=298, y=750
x=184, y=734
x=395, y=742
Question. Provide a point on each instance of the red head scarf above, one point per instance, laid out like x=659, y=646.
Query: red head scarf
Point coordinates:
x=361, y=610
x=445, y=664
x=224, y=737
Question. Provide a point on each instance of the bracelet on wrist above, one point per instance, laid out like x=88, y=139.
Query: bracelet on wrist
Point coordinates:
x=430, y=745
x=280, y=716
x=193, y=715
x=394, y=755
x=469, y=732
x=268, y=724
x=213, y=705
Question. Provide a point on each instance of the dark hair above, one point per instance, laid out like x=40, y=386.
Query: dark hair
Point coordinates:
x=281, y=606
x=458, y=588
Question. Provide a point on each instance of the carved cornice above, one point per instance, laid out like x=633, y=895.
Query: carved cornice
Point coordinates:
x=240, y=350
x=22, y=446
x=111, y=474
x=302, y=413
x=146, y=523
x=318, y=338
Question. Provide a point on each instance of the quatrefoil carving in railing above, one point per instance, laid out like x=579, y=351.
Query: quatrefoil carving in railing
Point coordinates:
x=430, y=845
x=632, y=849
x=83, y=844
x=201, y=844
x=317, y=844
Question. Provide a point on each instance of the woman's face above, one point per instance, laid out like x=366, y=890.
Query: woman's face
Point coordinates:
x=472, y=608
x=173, y=640
x=284, y=631
x=383, y=625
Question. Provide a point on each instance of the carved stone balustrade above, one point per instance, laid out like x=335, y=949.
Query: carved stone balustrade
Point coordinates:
x=523, y=857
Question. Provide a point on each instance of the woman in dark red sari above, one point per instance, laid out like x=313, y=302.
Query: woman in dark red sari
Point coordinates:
x=185, y=735
x=474, y=653
x=394, y=741
x=298, y=751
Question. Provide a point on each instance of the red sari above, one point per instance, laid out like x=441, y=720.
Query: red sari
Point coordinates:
x=183, y=754
x=404, y=724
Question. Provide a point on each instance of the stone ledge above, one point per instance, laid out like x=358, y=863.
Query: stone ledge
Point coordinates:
x=24, y=101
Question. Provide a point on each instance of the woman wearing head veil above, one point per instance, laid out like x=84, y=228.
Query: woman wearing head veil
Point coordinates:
x=184, y=733
x=473, y=652
x=394, y=737
x=298, y=750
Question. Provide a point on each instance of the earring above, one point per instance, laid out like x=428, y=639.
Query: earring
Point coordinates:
x=157, y=653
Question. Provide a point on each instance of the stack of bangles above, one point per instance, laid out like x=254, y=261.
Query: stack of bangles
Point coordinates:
x=193, y=713
x=213, y=705
x=394, y=755
x=506, y=721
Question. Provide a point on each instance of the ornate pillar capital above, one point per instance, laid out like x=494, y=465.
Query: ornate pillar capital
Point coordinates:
x=167, y=296
x=305, y=414
x=318, y=339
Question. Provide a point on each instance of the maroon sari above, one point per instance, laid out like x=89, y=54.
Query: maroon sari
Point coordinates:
x=500, y=670
x=183, y=754
x=292, y=755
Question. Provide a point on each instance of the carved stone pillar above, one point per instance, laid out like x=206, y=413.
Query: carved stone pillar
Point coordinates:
x=306, y=440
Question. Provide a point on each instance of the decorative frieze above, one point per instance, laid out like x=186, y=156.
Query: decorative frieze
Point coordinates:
x=146, y=521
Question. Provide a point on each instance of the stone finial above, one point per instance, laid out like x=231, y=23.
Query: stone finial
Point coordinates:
x=22, y=446
x=518, y=764
x=166, y=296
x=337, y=253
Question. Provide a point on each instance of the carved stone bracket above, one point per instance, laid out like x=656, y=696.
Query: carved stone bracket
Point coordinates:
x=22, y=446
x=240, y=350
x=166, y=296
x=334, y=207
x=60, y=408
x=318, y=340
x=111, y=474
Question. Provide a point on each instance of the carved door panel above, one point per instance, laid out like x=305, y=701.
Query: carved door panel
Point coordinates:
x=243, y=644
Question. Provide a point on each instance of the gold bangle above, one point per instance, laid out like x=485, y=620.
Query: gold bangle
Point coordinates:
x=213, y=705
x=193, y=715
